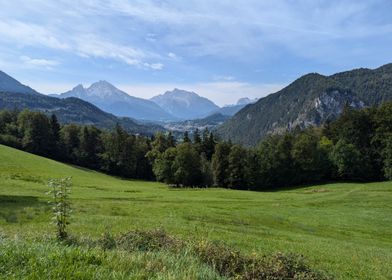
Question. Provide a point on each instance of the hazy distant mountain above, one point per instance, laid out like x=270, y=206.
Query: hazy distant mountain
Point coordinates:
x=111, y=99
x=9, y=84
x=184, y=104
x=231, y=110
x=309, y=101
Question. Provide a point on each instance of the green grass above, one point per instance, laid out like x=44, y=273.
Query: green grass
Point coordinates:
x=32, y=260
x=344, y=229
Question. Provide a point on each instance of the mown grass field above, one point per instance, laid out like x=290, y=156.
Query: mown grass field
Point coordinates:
x=344, y=229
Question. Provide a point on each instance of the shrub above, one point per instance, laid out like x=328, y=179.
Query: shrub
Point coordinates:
x=60, y=190
x=107, y=241
x=152, y=240
x=231, y=263
x=227, y=262
x=281, y=266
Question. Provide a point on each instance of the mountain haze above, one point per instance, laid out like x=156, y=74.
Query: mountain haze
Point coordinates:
x=184, y=105
x=109, y=98
x=309, y=101
x=231, y=110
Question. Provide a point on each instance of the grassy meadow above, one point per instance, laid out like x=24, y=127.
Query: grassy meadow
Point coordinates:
x=344, y=229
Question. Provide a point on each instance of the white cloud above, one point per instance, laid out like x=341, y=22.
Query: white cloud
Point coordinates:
x=39, y=62
x=224, y=78
x=33, y=35
x=230, y=29
x=154, y=66
x=220, y=28
x=30, y=34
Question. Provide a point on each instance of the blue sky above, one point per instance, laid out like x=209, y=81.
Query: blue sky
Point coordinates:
x=220, y=49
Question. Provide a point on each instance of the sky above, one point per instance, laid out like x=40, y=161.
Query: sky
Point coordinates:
x=220, y=49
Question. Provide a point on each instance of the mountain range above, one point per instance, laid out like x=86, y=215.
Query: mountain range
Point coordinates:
x=110, y=99
x=185, y=105
x=172, y=106
x=311, y=100
x=14, y=95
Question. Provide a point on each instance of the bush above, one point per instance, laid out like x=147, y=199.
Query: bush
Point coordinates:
x=282, y=266
x=152, y=240
x=231, y=263
x=107, y=241
x=227, y=262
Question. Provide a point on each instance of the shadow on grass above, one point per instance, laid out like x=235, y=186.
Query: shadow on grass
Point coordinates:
x=18, y=200
x=14, y=208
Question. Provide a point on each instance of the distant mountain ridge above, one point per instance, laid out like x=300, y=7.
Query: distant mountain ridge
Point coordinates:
x=185, y=105
x=231, y=110
x=109, y=98
x=309, y=101
x=14, y=95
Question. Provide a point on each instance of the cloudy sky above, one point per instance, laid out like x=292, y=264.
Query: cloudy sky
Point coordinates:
x=218, y=48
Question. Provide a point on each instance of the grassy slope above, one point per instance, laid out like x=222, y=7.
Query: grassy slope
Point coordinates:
x=343, y=228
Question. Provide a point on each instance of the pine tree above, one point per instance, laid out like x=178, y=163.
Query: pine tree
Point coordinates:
x=237, y=165
x=36, y=132
x=55, y=137
x=186, y=138
x=196, y=137
x=220, y=164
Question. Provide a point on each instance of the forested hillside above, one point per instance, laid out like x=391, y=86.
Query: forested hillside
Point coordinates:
x=311, y=100
x=72, y=110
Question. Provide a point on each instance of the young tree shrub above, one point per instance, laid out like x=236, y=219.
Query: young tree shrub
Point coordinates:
x=60, y=190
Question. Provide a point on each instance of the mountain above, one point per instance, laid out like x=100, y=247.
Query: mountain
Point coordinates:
x=231, y=110
x=67, y=110
x=7, y=83
x=309, y=101
x=184, y=104
x=210, y=122
x=110, y=99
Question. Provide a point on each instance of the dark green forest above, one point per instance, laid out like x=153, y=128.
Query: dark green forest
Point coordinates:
x=355, y=147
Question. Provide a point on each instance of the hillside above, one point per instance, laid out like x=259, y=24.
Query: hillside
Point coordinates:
x=344, y=229
x=7, y=83
x=311, y=100
x=72, y=110
x=110, y=99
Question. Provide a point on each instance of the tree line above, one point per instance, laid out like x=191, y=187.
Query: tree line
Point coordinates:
x=355, y=147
